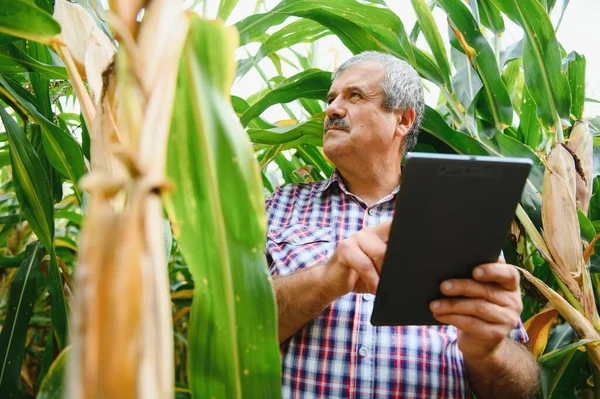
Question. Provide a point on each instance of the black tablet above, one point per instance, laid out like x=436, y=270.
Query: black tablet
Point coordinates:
x=452, y=213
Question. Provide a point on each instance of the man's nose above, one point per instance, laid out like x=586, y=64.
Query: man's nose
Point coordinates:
x=335, y=109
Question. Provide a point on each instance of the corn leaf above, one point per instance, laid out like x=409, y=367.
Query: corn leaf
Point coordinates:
x=301, y=31
x=225, y=8
x=14, y=329
x=538, y=330
x=490, y=16
x=461, y=143
x=63, y=152
x=530, y=129
x=52, y=386
x=554, y=364
x=312, y=83
x=482, y=58
x=34, y=196
x=309, y=132
x=360, y=27
x=23, y=19
x=23, y=62
x=576, y=74
x=434, y=39
x=545, y=81
x=218, y=210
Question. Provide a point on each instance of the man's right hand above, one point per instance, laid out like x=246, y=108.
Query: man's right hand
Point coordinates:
x=356, y=262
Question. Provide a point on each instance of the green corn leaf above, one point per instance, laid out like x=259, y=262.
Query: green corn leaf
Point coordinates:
x=545, y=81
x=554, y=364
x=23, y=19
x=312, y=83
x=301, y=31
x=576, y=74
x=233, y=347
x=63, y=152
x=225, y=8
x=14, y=330
x=52, y=386
x=34, y=195
x=530, y=129
x=482, y=58
x=434, y=39
x=13, y=57
x=491, y=17
x=360, y=27
x=309, y=132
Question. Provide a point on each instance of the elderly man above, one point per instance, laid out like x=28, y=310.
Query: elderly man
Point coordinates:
x=325, y=246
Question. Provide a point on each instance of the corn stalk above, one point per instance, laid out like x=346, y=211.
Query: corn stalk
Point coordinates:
x=122, y=326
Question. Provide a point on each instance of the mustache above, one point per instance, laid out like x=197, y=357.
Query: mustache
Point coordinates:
x=339, y=124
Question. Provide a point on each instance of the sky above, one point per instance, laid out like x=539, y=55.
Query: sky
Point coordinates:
x=578, y=32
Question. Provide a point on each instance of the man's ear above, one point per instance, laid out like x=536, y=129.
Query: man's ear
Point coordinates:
x=404, y=121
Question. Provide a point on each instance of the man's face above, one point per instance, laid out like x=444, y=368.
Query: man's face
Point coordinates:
x=357, y=128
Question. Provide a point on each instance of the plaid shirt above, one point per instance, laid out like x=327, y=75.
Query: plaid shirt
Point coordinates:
x=339, y=353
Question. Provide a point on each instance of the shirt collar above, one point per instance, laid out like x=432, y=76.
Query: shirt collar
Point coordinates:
x=336, y=179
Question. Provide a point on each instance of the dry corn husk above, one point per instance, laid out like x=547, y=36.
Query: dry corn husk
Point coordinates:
x=559, y=213
x=581, y=145
x=581, y=325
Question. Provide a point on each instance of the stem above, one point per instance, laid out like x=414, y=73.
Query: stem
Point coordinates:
x=459, y=115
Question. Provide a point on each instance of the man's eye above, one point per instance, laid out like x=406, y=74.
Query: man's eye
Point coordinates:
x=355, y=95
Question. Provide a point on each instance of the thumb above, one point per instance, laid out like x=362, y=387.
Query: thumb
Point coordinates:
x=382, y=230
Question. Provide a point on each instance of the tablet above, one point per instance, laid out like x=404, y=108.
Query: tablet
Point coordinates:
x=452, y=213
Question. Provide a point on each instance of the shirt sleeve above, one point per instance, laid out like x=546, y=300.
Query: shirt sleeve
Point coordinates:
x=519, y=334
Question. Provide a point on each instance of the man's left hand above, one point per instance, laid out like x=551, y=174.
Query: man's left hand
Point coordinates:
x=488, y=311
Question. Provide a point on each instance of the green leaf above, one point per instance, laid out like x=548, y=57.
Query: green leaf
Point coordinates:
x=34, y=196
x=233, y=347
x=14, y=329
x=301, y=31
x=360, y=27
x=459, y=142
x=483, y=60
x=23, y=62
x=553, y=365
x=12, y=261
x=63, y=152
x=588, y=232
x=576, y=73
x=52, y=386
x=312, y=155
x=4, y=158
x=491, y=16
x=225, y=8
x=545, y=81
x=312, y=83
x=23, y=19
x=530, y=129
x=432, y=34
x=309, y=132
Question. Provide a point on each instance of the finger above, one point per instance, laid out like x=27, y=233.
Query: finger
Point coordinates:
x=354, y=258
x=479, y=308
x=382, y=230
x=475, y=327
x=489, y=291
x=500, y=273
x=373, y=247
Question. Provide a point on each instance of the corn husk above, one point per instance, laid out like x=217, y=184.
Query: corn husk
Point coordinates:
x=559, y=213
x=582, y=326
x=580, y=143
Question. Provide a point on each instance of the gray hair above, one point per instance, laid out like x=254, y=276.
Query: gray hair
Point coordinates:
x=401, y=87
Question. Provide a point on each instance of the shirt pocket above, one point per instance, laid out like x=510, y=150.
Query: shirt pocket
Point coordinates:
x=297, y=246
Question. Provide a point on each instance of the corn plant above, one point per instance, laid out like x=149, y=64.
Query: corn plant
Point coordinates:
x=85, y=197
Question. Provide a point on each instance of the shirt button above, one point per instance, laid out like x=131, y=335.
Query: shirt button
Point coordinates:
x=371, y=212
x=363, y=351
x=368, y=297
x=296, y=239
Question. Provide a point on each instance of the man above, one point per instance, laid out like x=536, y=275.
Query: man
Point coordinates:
x=325, y=246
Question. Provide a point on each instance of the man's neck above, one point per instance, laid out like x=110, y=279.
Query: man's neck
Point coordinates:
x=371, y=186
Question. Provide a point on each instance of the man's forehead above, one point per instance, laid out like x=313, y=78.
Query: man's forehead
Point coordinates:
x=366, y=75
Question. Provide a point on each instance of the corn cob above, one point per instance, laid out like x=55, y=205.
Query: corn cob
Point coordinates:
x=559, y=213
x=580, y=143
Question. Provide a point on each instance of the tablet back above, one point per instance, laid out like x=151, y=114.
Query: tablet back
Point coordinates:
x=452, y=213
